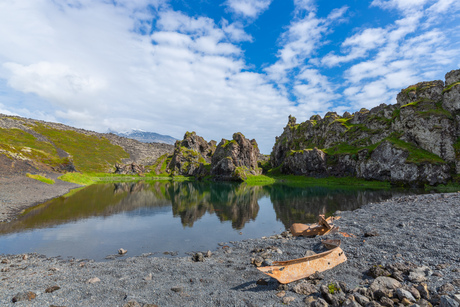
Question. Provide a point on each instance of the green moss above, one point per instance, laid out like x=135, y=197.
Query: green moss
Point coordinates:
x=457, y=148
x=40, y=178
x=332, y=288
x=448, y=88
x=416, y=155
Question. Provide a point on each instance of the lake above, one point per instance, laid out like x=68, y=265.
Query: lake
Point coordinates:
x=166, y=217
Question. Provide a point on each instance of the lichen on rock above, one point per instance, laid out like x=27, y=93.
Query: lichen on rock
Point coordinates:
x=414, y=142
x=236, y=159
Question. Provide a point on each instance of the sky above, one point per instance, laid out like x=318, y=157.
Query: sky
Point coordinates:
x=217, y=67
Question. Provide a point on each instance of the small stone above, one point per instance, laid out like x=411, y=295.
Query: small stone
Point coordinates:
x=350, y=302
x=268, y=262
x=371, y=233
x=457, y=298
x=281, y=294
x=279, y=251
x=122, y=251
x=424, y=303
x=282, y=287
x=52, y=289
x=361, y=299
x=415, y=293
x=438, y=274
x=387, y=302
x=309, y=300
x=456, y=282
x=317, y=275
x=288, y=299
x=447, y=301
x=417, y=277
x=5, y=261
x=442, y=266
x=54, y=269
x=177, y=289
x=258, y=261
x=25, y=257
x=198, y=257
x=446, y=288
x=93, y=280
x=305, y=288
x=383, y=282
x=405, y=302
x=309, y=253
x=423, y=289
x=404, y=294
x=132, y=303
x=319, y=303
x=262, y=282
x=148, y=277
x=208, y=254
x=4, y=270
x=378, y=270
x=24, y=296
x=373, y=304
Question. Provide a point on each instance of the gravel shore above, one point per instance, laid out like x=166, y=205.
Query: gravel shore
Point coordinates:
x=409, y=232
x=18, y=192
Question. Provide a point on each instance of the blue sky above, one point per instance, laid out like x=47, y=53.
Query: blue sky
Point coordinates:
x=216, y=67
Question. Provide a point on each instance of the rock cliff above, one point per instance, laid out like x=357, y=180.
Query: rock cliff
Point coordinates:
x=414, y=142
x=235, y=159
x=228, y=161
x=192, y=156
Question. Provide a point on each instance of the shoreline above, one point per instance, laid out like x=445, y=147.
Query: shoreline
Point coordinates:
x=18, y=192
x=415, y=231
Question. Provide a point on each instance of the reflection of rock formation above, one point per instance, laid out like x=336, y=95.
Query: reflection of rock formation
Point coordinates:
x=303, y=205
x=95, y=200
x=230, y=202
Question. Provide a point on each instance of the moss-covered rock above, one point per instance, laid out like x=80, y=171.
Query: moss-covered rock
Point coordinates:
x=236, y=159
x=191, y=156
x=424, y=125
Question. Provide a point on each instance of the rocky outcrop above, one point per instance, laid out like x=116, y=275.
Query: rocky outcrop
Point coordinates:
x=129, y=169
x=416, y=141
x=235, y=159
x=192, y=156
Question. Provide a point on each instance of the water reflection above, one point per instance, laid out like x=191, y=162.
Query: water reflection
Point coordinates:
x=190, y=201
x=164, y=216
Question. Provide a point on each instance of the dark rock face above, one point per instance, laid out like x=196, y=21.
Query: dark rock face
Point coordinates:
x=191, y=155
x=235, y=159
x=129, y=169
x=414, y=142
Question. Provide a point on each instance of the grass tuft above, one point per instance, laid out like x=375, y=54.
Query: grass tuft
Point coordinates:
x=40, y=178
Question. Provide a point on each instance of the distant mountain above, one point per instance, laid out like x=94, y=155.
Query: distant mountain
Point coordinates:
x=147, y=137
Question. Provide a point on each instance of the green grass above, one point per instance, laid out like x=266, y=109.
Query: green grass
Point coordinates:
x=343, y=182
x=20, y=144
x=83, y=179
x=89, y=153
x=40, y=178
x=448, y=88
x=416, y=155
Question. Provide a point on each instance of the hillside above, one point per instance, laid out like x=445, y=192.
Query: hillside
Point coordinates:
x=32, y=145
x=414, y=142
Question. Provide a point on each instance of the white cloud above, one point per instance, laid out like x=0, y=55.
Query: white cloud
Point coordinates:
x=100, y=72
x=404, y=5
x=248, y=8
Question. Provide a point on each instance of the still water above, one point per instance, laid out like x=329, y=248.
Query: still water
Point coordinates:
x=178, y=217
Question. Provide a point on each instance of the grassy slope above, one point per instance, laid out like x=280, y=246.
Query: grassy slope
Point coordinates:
x=88, y=153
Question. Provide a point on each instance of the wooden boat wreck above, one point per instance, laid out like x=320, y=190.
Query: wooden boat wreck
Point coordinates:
x=323, y=227
x=292, y=270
